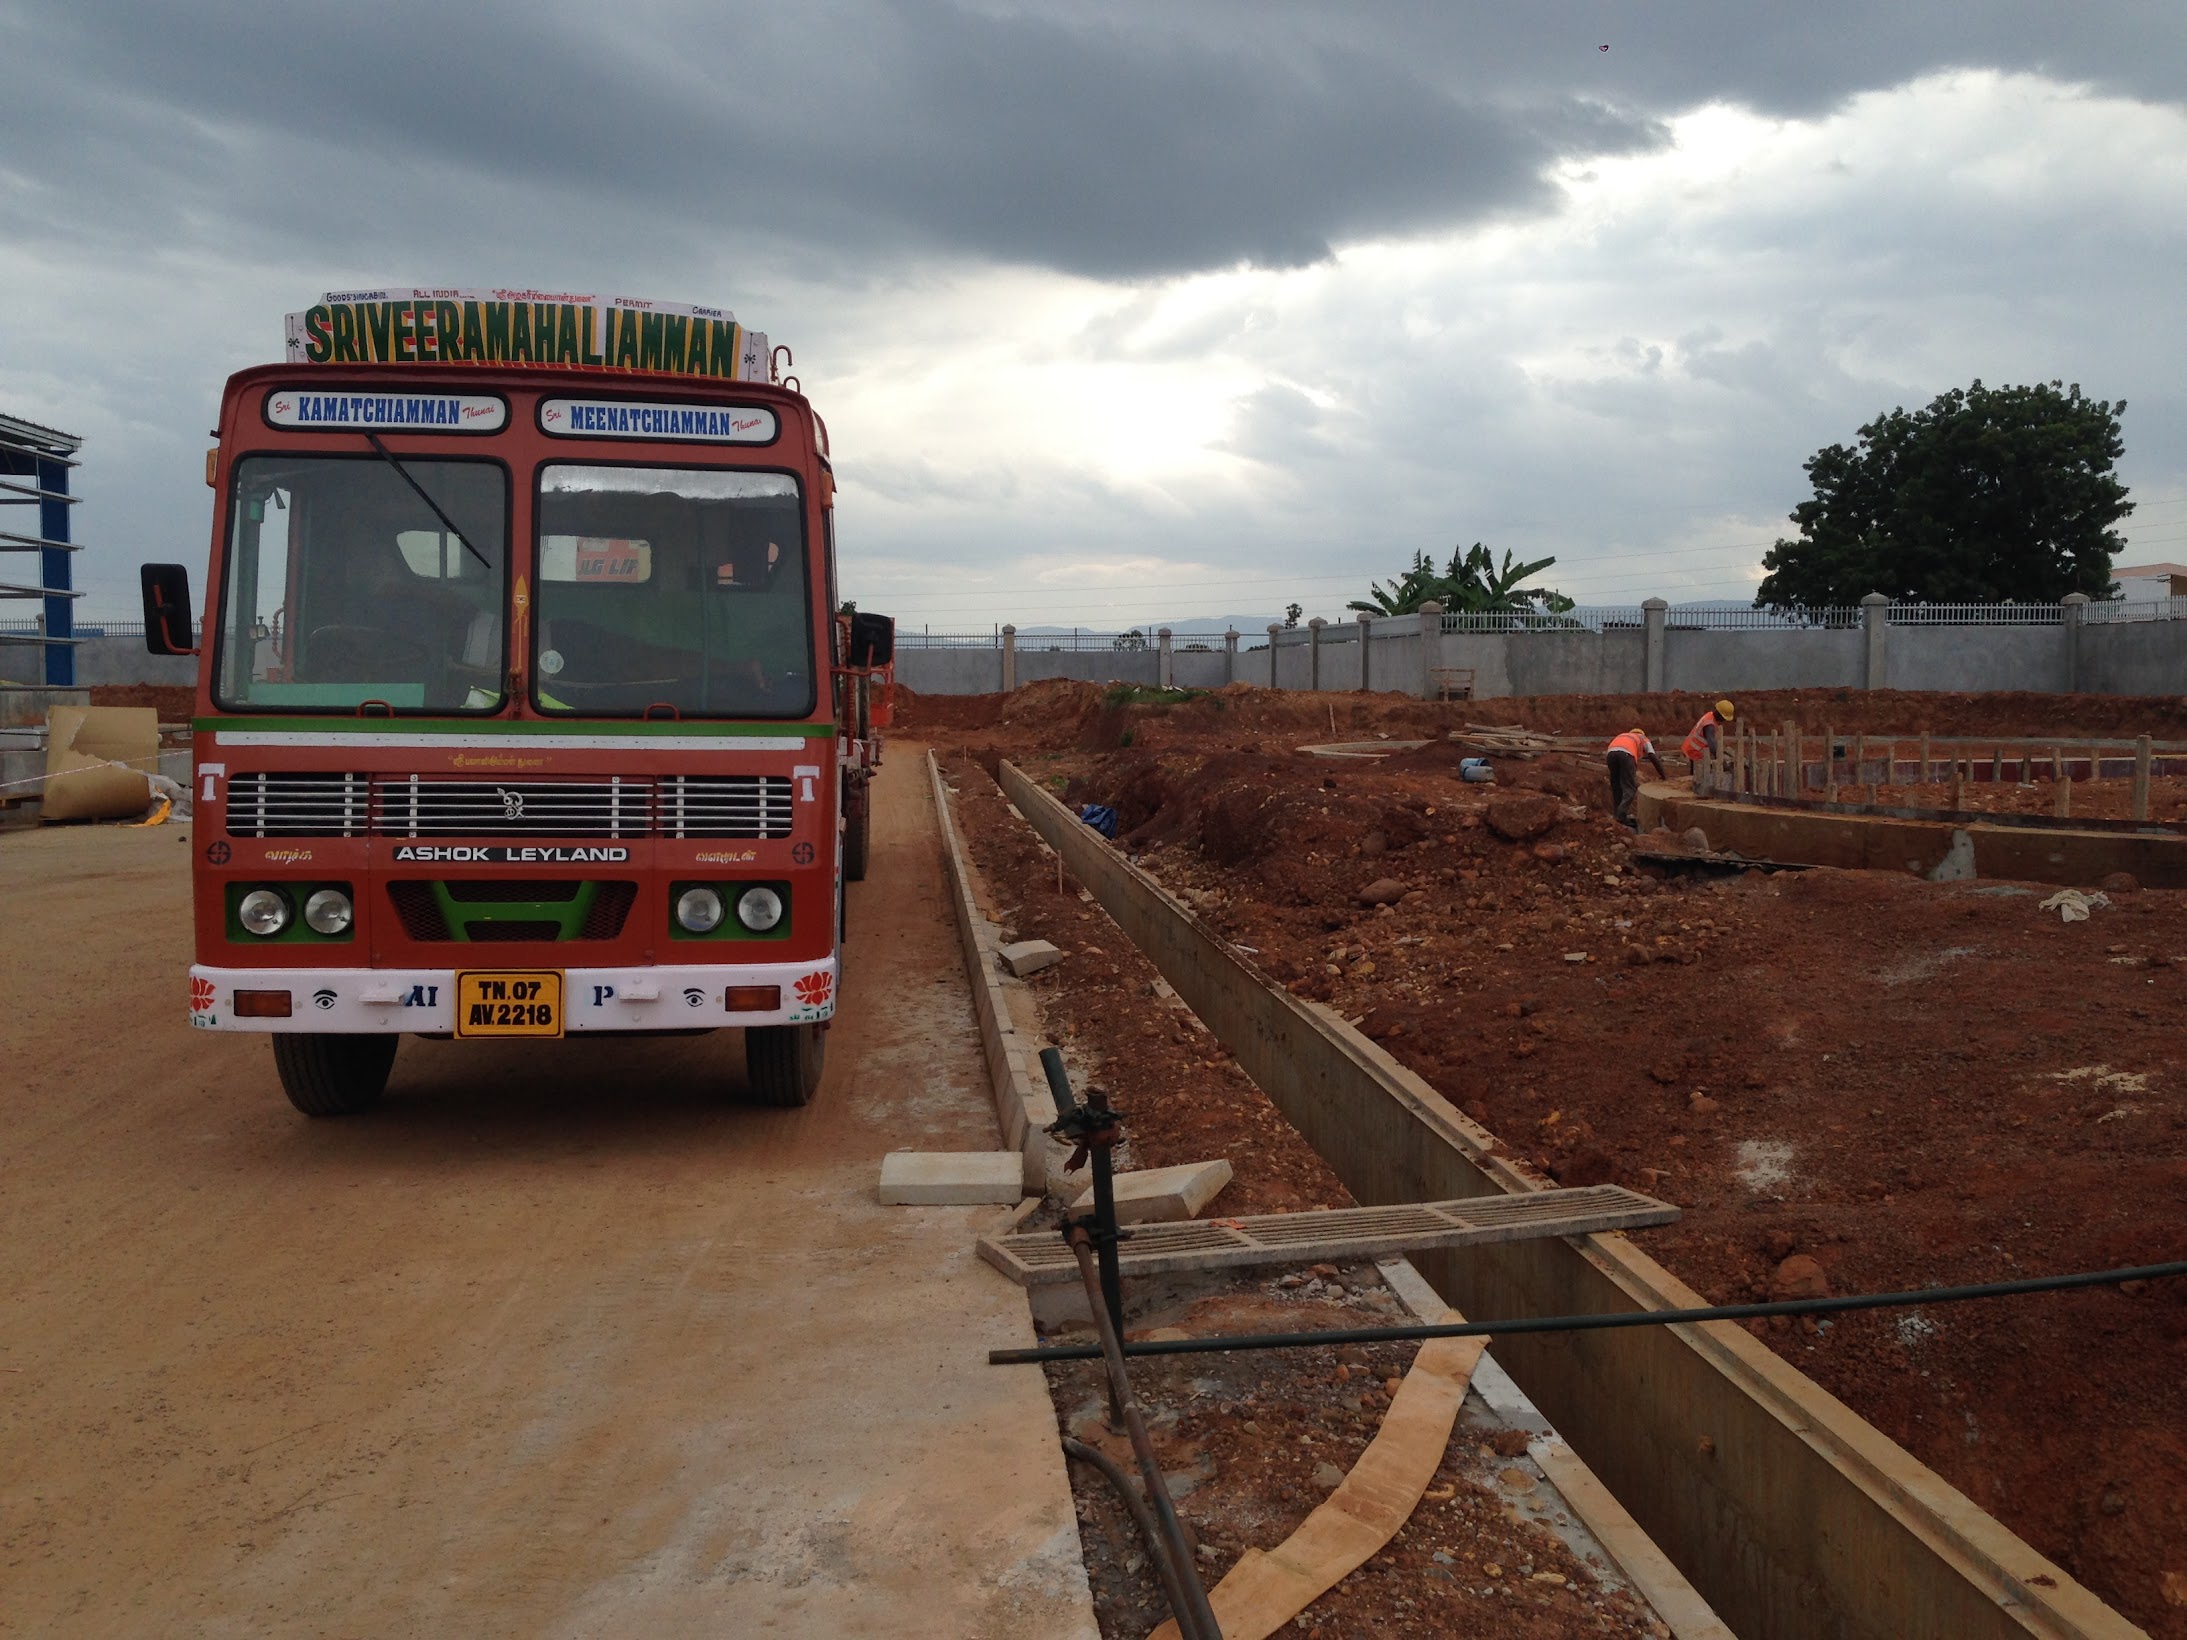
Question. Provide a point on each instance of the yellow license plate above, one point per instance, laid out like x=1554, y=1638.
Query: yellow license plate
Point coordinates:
x=524, y=1002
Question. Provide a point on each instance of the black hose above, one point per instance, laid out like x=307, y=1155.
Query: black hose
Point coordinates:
x=1196, y=1619
x=1594, y=1323
x=1157, y=1550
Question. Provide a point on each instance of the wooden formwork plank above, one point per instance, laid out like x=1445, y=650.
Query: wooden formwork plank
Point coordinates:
x=1037, y=1258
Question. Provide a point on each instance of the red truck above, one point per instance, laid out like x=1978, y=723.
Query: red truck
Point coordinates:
x=522, y=708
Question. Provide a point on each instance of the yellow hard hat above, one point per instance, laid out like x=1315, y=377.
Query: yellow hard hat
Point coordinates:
x=1723, y=708
x=1636, y=730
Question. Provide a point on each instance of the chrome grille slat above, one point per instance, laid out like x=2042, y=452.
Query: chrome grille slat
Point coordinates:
x=284, y=803
x=417, y=807
x=737, y=805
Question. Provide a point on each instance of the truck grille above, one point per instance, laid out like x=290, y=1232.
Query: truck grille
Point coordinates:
x=737, y=805
x=283, y=804
x=416, y=807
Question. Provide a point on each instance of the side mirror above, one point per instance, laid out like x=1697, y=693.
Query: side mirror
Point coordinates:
x=872, y=639
x=167, y=609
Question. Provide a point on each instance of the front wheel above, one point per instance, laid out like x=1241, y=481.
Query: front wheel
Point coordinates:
x=783, y=1062
x=333, y=1075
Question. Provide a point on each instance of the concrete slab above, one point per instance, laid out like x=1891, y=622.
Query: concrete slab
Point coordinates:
x=1162, y=1192
x=1029, y=957
x=951, y=1178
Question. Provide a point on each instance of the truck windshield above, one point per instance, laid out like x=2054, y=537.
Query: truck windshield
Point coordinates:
x=672, y=586
x=341, y=585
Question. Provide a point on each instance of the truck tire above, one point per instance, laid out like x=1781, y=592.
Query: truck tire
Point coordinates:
x=334, y=1075
x=783, y=1062
x=857, y=831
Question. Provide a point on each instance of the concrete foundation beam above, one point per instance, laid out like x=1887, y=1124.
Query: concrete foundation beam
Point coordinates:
x=1791, y=1515
x=1868, y=842
x=1023, y=1105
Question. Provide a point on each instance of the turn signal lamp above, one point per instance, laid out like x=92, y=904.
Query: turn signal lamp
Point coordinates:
x=752, y=999
x=262, y=1004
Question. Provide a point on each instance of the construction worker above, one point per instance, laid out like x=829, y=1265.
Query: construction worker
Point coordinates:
x=1704, y=737
x=1624, y=757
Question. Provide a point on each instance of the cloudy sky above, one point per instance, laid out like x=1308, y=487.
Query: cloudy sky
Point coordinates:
x=1148, y=311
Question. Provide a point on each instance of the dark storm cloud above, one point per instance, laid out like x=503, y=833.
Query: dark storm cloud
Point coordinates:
x=1125, y=142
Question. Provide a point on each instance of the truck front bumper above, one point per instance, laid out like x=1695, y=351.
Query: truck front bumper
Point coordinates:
x=593, y=999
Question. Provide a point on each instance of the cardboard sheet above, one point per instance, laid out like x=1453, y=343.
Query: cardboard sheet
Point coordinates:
x=83, y=743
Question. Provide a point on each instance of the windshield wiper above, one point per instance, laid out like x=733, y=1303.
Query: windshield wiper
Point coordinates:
x=449, y=524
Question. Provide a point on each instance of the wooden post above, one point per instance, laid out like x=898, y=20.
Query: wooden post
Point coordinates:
x=2141, y=778
x=1830, y=763
x=1959, y=785
x=2057, y=765
x=1890, y=764
x=1859, y=772
x=2095, y=762
x=1793, y=784
x=2061, y=796
x=1997, y=765
x=1923, y=778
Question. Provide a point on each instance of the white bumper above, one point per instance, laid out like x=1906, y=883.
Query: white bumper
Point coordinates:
x=593, y=999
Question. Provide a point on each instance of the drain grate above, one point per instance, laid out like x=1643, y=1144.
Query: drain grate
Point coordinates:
x=1038, y=1258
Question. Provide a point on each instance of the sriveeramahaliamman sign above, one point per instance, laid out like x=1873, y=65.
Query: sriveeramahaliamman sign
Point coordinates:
x=511, y=327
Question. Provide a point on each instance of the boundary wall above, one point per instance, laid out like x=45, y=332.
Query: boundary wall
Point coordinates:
x=1793, y=1517
x=1638, y=652
x=1402, y=653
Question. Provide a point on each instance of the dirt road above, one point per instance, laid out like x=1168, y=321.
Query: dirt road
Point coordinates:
x=561, y=1340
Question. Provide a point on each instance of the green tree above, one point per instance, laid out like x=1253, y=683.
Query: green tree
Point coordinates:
x=1991, y=493
x=1474, y=583
x=1291, y=614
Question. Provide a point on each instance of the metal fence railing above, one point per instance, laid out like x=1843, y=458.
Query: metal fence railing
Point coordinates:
x=1977, y=614
x=907, y=638
x=2150, y=609
x=1139, y=638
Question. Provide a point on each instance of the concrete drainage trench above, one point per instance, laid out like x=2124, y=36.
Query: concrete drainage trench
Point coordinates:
x=1789, y=1514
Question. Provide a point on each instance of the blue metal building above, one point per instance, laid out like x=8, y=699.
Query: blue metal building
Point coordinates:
x=34, y=467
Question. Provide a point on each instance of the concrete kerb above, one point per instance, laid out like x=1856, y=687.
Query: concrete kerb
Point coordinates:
x=1792, y=1516
x=1023, y=1105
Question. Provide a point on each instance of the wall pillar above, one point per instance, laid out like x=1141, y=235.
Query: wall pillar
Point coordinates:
x=2075, y=612
x=1655, y=614
x=1313, y=652
x=1009, y=659
x=1275, y=632
x=1165, y=664
x=1230, y=656
x=1366, y=634
x=1431, y=646
x=1875, y=620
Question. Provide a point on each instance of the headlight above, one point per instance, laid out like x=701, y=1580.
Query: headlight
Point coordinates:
x=328, y=911
x=759, y=909
x=264, y=911
x=699, y=910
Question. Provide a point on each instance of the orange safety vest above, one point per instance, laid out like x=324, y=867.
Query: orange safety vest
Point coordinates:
x=1633, y=746
x=1696, y=745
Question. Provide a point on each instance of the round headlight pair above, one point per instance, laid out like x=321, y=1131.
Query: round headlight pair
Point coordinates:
x=267, y=911
x=700, y=910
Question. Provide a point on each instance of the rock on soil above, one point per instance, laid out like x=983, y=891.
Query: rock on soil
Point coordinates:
x=1382, y=891
x=1520, y=817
